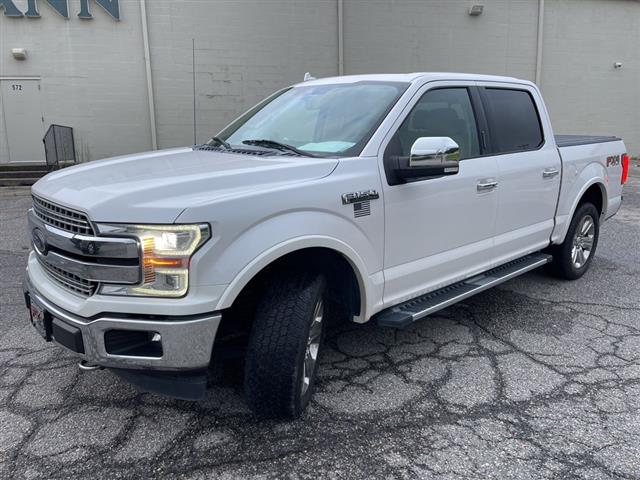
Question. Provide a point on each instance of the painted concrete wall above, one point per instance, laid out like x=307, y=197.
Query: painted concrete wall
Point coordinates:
x=583, y=90
x=409, y=35
x=245, y=50
x=93, y=73
x=585, y=94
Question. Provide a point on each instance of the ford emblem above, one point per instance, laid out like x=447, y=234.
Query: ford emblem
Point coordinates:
x=39, y=241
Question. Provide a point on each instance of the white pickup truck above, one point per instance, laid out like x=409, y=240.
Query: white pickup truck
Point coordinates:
x=361, y=198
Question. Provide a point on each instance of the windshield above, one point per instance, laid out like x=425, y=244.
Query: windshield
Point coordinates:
x=327, y=120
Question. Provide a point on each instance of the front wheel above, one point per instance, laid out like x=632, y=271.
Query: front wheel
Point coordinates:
x=573, y=257
x=285, y=345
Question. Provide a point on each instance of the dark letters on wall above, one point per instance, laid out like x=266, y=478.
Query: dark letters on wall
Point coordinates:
x=112, y=7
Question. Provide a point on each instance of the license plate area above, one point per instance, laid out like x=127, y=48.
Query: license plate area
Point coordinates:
x=40, y=319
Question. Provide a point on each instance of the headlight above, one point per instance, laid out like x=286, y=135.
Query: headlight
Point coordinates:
x=166, y=252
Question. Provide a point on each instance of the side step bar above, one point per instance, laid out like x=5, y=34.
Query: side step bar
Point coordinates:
x=406, y=313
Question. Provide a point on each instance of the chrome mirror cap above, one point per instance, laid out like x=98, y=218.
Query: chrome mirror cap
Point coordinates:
x=440, y=152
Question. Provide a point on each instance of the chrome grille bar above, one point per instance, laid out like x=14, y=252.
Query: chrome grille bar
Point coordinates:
x=89, y=271
x=68, y=280
x=61, y=217
x=73, y=257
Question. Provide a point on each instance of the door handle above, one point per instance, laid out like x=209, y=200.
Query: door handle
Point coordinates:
x=550, y=172
x=486, y=185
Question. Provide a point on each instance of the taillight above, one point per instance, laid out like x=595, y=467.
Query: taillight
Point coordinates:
x=625, y=169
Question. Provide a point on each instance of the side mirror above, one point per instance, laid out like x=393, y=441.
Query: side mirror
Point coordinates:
x=431, y=157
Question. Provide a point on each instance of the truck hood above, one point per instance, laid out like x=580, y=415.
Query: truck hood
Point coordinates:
x=155, y=187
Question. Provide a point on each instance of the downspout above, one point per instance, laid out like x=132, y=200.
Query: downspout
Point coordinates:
x=540, y=42
x=340, y=37
x=147, y=63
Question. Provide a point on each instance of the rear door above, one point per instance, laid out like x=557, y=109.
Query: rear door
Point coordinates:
x=529, y=168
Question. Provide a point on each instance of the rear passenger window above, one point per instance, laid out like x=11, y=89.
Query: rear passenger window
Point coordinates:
x=513, y=120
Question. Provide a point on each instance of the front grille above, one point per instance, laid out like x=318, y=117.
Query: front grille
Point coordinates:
x=69, y=280
x=61, y=217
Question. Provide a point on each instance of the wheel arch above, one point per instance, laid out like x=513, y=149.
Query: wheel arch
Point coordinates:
x=318, y=249
x=594, y=191
x=596, y=194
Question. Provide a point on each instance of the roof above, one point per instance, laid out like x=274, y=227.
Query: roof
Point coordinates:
x=412, y=77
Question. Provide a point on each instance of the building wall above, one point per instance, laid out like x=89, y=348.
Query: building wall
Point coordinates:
x=93, y=71
x=583, y=90
x=409, y=35
x=244, y=50
x=92, y=74
x=583, y=39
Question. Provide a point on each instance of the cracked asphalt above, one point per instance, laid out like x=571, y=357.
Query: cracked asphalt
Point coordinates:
x=538, y=378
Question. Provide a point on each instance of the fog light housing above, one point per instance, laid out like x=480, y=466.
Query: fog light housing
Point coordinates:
x=133, y=343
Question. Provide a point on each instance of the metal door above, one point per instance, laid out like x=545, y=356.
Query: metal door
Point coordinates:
x=528, y=179
x=23, y=120
x=439, y=230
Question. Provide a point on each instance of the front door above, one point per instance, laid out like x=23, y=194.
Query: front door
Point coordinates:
x=438, y=230
x=23, y=120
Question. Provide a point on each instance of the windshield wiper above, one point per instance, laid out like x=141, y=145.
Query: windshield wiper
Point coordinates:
x=278, y=146
x=219, y=141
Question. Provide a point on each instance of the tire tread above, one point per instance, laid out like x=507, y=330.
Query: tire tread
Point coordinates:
x=277, y=342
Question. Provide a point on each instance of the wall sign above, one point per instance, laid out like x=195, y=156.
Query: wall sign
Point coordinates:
x=112, y=7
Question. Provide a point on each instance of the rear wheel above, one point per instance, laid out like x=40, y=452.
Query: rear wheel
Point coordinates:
x=572, y=258
x=285, y=345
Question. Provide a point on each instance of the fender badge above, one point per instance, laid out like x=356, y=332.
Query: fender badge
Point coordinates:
x=613, y=160
x=354, y=197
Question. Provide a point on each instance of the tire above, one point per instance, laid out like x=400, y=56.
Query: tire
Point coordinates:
x=571, y=264
x=280, y=351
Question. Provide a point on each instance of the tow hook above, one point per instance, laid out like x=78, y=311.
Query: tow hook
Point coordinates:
x=88, y=367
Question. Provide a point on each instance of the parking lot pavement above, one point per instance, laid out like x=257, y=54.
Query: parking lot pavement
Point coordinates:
x=538, y=378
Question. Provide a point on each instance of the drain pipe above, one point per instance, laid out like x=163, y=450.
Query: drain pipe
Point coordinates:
x=540, y=42
x=147, y=63
x=340, y=37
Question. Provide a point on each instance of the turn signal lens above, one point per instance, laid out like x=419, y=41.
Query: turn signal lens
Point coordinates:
x=625, y=168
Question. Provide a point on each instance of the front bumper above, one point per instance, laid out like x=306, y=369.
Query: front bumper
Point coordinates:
x=186, y=342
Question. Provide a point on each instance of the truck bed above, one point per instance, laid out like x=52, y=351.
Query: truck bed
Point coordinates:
x=572, y=140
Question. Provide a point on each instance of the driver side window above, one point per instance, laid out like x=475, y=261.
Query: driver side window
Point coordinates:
x=443, y=112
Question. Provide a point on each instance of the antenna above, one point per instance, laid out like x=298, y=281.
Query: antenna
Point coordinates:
x=307, y=77
x=193, y=65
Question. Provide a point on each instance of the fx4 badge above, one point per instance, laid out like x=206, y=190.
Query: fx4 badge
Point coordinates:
x=613, y=160
x=355, y=197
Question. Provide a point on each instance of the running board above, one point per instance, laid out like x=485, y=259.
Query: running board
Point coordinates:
x=406, y=313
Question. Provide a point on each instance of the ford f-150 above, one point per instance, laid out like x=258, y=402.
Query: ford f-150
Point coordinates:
x=361, y=198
